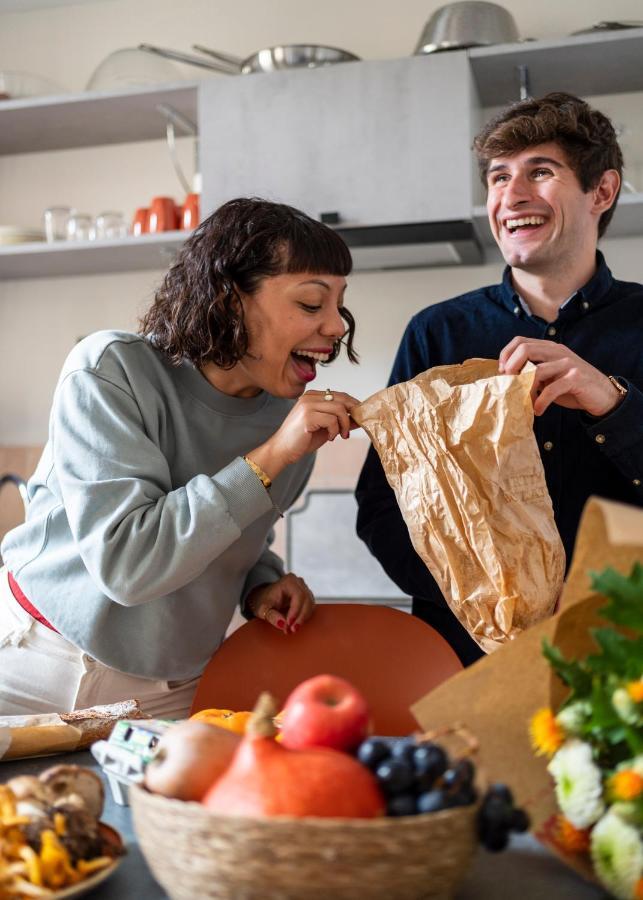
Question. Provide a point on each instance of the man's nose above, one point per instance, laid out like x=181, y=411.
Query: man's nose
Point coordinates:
x=519, y=190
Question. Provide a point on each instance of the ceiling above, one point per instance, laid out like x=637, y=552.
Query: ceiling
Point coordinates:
x=28, y=5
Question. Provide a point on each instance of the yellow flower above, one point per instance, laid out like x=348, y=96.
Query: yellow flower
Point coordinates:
x=626, y=785
x=545, y=732
x=635, y=690
x=569, y=838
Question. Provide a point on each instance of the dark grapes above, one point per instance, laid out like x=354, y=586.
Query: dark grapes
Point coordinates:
x=395, y=776
x=372, y=752
x=497, y=817
x=420, y=778
x=401, y=805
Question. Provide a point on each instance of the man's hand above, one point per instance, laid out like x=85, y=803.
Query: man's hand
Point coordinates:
x=562, y=377
x=285, y=604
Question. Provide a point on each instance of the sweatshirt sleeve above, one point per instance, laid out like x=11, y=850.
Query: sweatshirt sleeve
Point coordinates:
x=139, y=537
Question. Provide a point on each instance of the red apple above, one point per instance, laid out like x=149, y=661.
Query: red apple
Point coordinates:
x=324, y=711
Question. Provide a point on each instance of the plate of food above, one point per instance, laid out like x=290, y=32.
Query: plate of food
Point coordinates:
x=52, y=842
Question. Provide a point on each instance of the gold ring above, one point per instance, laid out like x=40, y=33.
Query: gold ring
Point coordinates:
x=328, y=395
x=264, y=614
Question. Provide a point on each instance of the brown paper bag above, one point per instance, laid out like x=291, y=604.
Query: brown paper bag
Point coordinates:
x=458, y=449
x=497, y=696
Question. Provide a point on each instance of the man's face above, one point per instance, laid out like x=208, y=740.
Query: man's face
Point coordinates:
x=539, y=215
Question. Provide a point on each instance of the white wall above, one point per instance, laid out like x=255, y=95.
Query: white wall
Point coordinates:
x=41, y=319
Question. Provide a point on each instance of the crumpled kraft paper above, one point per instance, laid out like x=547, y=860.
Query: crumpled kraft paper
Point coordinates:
x=458, y=449
x=496, y=697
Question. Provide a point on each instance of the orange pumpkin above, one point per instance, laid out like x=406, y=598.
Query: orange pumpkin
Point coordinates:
x=224, y=718
x=267, y=779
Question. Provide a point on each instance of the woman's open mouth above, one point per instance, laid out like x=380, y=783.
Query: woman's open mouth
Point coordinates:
x=305, y=363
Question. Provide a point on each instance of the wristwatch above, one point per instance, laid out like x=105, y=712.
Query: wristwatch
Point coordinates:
x=617, y=384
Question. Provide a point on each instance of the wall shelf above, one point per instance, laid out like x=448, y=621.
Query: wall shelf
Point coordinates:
x=606, y=62
x=91, y=119
x=627, y=221
x=63, y=259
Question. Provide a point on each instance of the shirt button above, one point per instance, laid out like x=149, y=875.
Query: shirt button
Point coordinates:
x=600, y=438
x=585, y=304
x=516, y=310
x=548, y=445
x=637, y=482
x=551, y=330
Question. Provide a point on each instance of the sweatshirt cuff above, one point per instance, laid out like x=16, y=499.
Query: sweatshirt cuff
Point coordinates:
x=245, y=495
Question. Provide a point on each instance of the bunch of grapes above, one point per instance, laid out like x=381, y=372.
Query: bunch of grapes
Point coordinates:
x=498, y=817
x=417, y=777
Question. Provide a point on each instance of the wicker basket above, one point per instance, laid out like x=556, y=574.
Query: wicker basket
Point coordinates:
x=196, y=854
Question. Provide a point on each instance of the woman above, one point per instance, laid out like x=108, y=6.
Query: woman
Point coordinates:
x=171, y=454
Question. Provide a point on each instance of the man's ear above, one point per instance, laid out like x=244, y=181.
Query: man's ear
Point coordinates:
x=605, y=191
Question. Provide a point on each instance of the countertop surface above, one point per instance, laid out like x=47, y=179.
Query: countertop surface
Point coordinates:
x=526, y=871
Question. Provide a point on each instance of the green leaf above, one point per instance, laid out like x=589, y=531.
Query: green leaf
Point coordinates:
x=625, y=594
x=621, y=656
x=571, y=673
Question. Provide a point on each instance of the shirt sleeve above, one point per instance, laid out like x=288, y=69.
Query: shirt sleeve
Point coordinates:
x=379, y=520
x=139, y=537
x=620, y=436
x=268, y=569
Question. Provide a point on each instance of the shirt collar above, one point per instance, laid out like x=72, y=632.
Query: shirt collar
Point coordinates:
x=595, y=293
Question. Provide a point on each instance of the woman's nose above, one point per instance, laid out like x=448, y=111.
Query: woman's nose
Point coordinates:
x=333, y=325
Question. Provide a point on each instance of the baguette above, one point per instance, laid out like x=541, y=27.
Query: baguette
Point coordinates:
x=43, y=734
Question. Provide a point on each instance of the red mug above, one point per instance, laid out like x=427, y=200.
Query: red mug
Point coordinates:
x=190, y=212
x=162, y=215
x=140, y=222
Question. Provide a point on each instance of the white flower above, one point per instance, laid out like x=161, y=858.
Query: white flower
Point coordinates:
x=579, y=788
x=573, y=717
x=626, y=708
x=617, y=855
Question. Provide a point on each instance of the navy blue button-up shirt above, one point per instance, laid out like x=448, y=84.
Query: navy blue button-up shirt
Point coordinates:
x=603, y=324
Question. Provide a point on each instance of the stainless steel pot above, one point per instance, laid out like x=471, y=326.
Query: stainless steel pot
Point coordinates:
x=471, y=23
x=271, y=59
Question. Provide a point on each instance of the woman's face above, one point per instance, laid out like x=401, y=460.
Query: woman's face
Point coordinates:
x=293, y=321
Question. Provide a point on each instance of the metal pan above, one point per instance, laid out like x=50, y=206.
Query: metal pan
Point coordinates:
x=271, y=59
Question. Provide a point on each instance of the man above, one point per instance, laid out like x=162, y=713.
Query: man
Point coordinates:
x=552, y=168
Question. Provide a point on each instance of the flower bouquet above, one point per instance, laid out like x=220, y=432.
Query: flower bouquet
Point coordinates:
x=594, y=741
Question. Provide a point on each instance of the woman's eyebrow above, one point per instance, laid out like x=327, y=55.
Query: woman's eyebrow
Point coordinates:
x=316, y=281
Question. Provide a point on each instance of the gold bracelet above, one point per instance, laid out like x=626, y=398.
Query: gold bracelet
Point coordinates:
x=259, y=472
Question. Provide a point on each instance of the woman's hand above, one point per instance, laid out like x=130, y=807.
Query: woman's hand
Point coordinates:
x=285, y=604
x=313, y=420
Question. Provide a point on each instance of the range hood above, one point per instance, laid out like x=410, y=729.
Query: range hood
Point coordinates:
x=415, y=245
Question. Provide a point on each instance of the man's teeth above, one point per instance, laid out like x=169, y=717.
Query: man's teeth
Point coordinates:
x=528, y=220
x=320, y=357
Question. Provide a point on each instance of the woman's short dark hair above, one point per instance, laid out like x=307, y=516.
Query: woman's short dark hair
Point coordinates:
x=197, y=311
x=585, y=135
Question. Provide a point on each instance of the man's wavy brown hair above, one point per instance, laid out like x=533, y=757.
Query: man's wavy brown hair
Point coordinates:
x=586, y=136
x=197, y=312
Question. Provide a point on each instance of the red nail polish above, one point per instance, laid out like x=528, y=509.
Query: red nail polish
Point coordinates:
x=295, y=627
x=280, y=623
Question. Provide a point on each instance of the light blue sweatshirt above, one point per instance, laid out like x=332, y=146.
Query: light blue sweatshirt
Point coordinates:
x=145, y=527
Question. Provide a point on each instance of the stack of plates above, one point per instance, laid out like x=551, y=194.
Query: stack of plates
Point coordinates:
x=19, y=234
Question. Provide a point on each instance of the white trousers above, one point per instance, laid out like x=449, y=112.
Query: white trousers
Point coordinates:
x=41, y=671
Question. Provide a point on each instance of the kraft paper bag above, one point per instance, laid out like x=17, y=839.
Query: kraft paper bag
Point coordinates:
x=496, y=697
x=458, y=449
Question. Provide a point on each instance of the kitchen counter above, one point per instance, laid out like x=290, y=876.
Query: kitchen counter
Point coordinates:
x=526, y=870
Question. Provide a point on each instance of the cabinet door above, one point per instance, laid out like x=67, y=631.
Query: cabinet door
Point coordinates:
x=379, y=143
